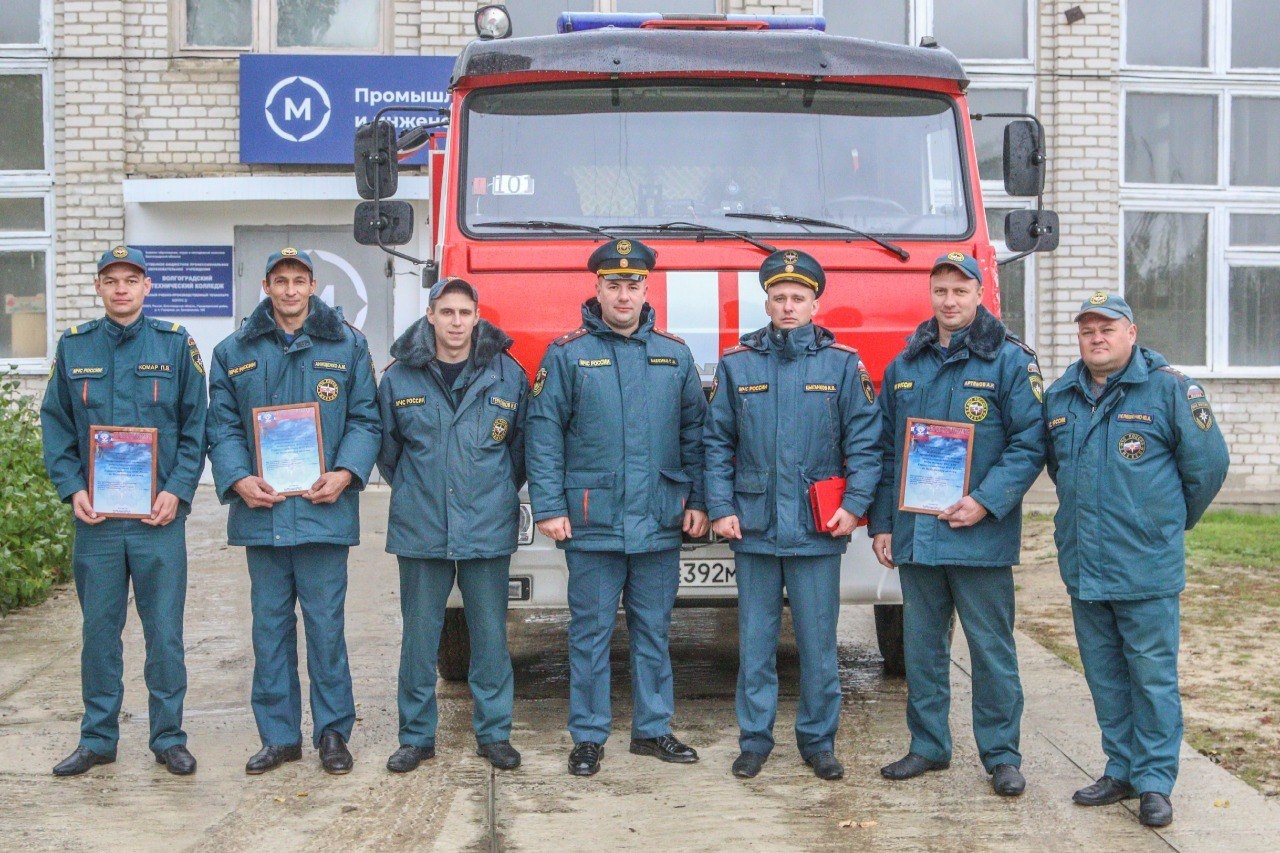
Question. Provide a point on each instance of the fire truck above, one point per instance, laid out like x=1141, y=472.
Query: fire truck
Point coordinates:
x=714, y=139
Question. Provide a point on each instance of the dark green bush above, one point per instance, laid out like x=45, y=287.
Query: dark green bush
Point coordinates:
x=35, y=527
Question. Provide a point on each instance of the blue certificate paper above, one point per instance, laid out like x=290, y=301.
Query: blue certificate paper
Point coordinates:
x=935, y=465
x=290, y=446
x=122, y=470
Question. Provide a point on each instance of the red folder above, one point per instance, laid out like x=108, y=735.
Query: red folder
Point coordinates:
x=824, y=499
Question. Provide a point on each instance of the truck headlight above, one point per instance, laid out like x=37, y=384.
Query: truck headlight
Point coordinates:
x=493, y=22
x=524, y=536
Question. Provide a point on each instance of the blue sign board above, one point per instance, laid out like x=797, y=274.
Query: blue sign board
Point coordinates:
x=305, y=109
x=189, y=281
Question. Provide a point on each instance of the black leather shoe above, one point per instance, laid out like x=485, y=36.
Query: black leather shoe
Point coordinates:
x=826, y=766
x=664, y=748
x=80, y=761
x=911, y=766
x=1104, y=792
x=271, y=757
x=335, y=758
x=501, y=754
x=747, y=765
x=408, y=758
x=1155, y=809
x=585, y=758
x=177, y=760
x=1007, y=780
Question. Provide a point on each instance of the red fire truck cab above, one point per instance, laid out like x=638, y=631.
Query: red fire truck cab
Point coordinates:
x=713, y=140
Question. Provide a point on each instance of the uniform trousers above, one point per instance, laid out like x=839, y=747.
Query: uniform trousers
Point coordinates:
x=315, y=577
x=105, y=558
x=1130, y=654
x=812, y=585
x=982, y=596
x=647, y=585
x=424, y=590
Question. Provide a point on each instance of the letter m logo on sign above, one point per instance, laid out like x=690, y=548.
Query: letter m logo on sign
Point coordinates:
x=297, y=111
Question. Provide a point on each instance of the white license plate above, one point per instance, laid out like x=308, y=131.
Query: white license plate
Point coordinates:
x=719, y=572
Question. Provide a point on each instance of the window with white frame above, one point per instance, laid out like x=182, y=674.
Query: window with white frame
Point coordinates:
x=268, y=26
x=994, y=40
x=1200, y=186
x=26, y=185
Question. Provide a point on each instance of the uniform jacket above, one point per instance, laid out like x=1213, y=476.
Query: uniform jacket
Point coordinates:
x=455, y=473
x=987, y=378
x=788, y=410
x=1134, y=470
x=146, y=374
x=328, y=362
x=615, y=436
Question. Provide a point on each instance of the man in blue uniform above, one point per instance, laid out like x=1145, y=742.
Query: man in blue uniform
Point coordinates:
x=128, y=370
x=296, y=349
x=961, y=366
x=615, y=461
x=790, y=407
x=1137, y=457
x=453, y=406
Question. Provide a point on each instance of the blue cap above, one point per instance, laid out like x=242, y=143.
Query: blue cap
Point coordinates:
x=622, y=257
x=123, y=255
x=1107, y=305
x=791, y=265
x=289, y=254
x=444, y=285
x=967, y=264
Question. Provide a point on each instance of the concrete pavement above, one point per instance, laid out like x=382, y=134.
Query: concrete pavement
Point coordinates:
x=456, y=802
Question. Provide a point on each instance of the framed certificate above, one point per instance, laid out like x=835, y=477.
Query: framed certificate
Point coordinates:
x=122, y=470
x=290, y=446
x=936, y=459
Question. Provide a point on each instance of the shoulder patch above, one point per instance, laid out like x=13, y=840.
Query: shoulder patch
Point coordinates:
x=81, y=328
x=571, y=336
x=389, y=363
x=1017, y=342
x=667, y=334
x=347, y=323
x=194, y=352
x=732, y=350
x=1173, y=371
x=508, y=354
x=844, y=347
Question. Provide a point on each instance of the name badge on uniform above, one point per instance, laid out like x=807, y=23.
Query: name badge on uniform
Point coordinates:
x=1135, y=417
x=87, y=371
x=904, y=385
x=243, y=368
x=753, y=389
x=664, y=360
x=594, y=362
x=329, y=365
x=155, y=368
x=820, y=386
x=410, y=401
x=1054, y=423
x=503, y=404
x=980, y=383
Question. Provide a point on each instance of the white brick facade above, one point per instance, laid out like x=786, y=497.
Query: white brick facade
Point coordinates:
x=128, y=104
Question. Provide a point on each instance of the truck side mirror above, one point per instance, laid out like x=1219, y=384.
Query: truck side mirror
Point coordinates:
x=377, y=172
x=1024, y=158
x=383, y=223
x=1031, y=230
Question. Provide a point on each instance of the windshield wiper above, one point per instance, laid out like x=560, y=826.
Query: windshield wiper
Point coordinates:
x=902, y=253
x=703, y=230
x=545, y=225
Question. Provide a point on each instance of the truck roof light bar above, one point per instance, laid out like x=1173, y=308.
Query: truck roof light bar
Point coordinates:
x=576, y=22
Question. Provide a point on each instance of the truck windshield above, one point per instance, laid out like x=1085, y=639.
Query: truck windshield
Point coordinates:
x=636, y=155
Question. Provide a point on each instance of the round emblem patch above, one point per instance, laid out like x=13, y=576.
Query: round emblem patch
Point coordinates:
x=955, y=256
x=1132, y=445
x=539, y=380
x=790, y=257
x=120, y=252
x=289, y=252
x=1037, y=387
x=868, y=389
x=1098, y=298
x=789, y=268
x=975, y=409
x=623, y=247
x=624, y=263
x=499, y=431
x=327, y=390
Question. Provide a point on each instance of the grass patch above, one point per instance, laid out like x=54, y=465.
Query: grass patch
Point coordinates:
x=1230, y=538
